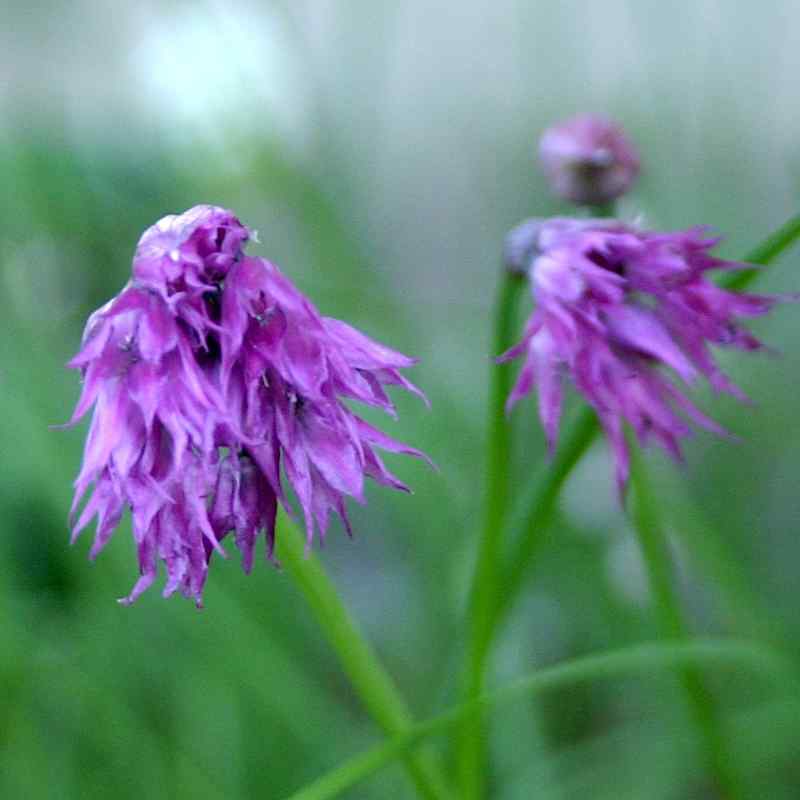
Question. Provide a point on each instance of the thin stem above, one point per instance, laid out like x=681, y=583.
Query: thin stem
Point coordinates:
x=604, y=666
x=540, y=502
x=710, y=550
x=472, y=748
x=654, y=547
x=765, y=253
x=370, y=680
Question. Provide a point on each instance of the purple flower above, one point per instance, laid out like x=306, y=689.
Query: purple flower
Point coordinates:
x=588, y=160
x=211, y=375
x=628, y=315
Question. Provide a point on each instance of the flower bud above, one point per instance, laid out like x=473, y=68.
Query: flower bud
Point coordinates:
x=588, y=160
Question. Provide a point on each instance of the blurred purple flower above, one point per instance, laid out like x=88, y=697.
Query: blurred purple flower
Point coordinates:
x=588, y=160
x=615, y=306
x=210, y=374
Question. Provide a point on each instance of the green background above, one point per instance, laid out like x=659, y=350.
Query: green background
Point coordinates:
x=382, y=150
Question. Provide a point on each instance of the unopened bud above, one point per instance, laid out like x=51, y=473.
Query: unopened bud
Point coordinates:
x=588, y=160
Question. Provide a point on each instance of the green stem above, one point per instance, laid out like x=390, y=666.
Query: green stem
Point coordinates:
x=539, y=504
x=370, y=680
x=654, y=547
x=472, y=749
x=605, y=666
x=765, y=253
x=711, y=551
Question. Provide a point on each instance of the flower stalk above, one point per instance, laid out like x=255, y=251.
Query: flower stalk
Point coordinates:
x=369, y=679
x=655, y=551
x=541, y=502
x=486, y=583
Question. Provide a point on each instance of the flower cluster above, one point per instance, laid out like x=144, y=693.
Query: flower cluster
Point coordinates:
x=211, y=376
x=621, y=311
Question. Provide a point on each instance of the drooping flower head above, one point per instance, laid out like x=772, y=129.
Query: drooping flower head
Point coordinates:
x=629, y=315
x=588, y=160
x=211, y=377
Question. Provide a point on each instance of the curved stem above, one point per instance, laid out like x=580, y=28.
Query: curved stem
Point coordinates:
x=370, y=680
x=605, y=666
x=654, y=547
x=539, y=504
x=765, y=253
x=471, y=752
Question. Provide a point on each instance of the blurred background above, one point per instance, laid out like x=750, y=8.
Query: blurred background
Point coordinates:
x=382, y=150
